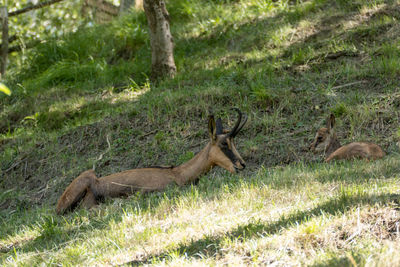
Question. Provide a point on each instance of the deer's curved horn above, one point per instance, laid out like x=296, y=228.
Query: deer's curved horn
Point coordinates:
x=220, y=129
x=243, y=122
x=234, y=130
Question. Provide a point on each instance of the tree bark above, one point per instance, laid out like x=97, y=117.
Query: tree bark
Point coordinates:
x=162, y=55
x=4, y=44
x=125, y=5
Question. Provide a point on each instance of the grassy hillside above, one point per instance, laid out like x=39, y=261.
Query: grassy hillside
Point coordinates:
x=287, y=64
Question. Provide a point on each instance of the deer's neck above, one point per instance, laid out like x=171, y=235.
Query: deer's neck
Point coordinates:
x=190, y=170
x=333, y=145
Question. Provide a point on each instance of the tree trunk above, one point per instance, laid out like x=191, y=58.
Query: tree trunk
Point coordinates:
x=125, y=5
x=4, y=44
x=162, y=55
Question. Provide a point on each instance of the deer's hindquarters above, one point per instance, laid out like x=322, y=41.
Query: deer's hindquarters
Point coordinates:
x=357, y=150
x=75, y=191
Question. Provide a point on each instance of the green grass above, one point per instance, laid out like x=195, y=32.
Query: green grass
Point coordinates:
x=287, y=64
x=233, y=219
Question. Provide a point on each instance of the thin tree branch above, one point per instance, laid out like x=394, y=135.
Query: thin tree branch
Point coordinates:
x=101, y=156
x=32, y=7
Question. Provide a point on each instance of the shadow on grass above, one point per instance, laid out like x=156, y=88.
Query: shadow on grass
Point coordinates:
x=348, y=172
x=208, y=188
x=342, y=261
x=212, y=246
x=42, y=114
x=257, y=33
x=352, y=172
x=52, y=236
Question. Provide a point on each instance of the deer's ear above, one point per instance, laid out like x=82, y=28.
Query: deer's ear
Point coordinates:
x=330, y=123
x=212, y=128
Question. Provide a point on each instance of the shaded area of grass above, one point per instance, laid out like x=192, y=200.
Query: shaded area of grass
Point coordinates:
x=55, y=233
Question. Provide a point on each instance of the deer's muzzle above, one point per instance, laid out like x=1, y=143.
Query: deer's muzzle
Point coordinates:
x=239, y=165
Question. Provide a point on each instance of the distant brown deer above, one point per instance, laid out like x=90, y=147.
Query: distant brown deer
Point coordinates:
x=327, y=142
x=219, y=151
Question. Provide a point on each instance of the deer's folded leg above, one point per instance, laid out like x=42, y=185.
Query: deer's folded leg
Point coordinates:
x=76, y=191
x=89, y=200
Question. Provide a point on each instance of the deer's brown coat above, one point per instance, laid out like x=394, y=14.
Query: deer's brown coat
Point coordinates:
x=327, y=142
x=220, y=151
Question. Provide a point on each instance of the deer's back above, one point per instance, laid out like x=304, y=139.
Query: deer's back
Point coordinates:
x=146, y=179
x=357, y=150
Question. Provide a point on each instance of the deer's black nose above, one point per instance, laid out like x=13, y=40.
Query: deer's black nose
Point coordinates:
x=239, y=165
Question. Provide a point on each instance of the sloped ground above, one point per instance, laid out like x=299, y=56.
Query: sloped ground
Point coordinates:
x=288, y=65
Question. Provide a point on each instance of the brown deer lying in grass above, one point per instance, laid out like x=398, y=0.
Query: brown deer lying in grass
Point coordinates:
x=327, y=142
x=219, y=151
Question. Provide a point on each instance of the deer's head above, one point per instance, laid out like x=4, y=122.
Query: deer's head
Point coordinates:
x=324, y=136
x=223, y=151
